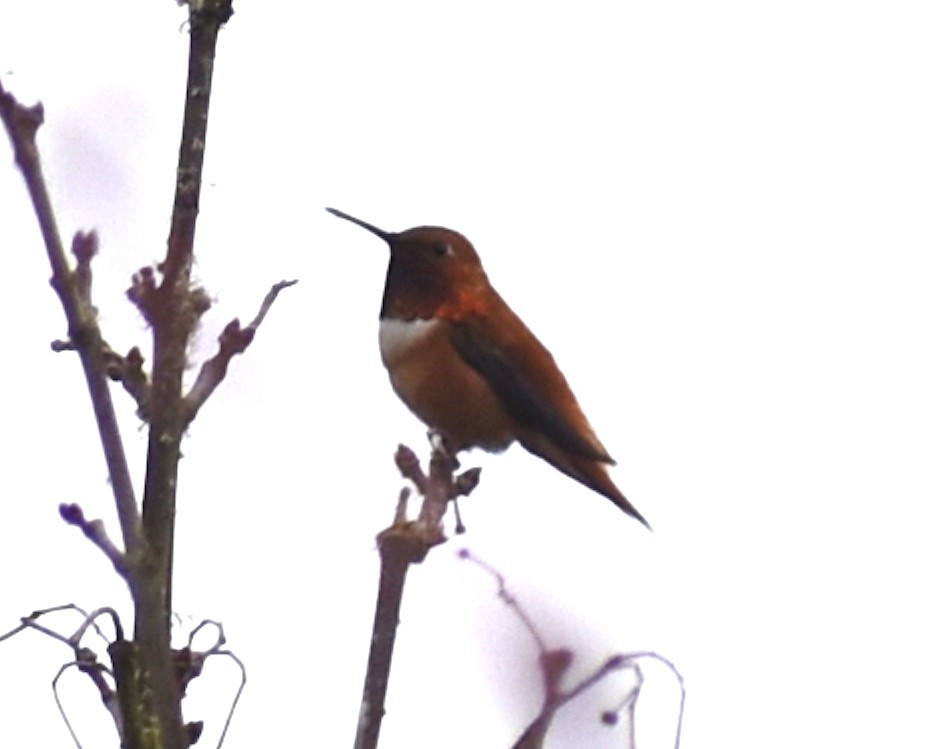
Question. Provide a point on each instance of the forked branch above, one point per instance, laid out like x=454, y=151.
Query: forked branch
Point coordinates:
x=555, y=664
x=404, y=543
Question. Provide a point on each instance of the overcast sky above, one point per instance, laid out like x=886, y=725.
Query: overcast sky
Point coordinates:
x=713, y=213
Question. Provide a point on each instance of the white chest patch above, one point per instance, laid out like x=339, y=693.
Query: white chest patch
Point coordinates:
x=400, y=337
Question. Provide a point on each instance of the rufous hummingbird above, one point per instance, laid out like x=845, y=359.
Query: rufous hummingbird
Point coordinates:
x=467, y=366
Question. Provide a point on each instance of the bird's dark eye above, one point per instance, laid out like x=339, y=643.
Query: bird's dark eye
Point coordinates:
x=442, y=249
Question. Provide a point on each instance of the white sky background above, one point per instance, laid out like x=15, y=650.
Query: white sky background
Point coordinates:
x=713, y=213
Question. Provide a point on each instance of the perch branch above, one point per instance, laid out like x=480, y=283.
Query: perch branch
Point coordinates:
x=402, y=544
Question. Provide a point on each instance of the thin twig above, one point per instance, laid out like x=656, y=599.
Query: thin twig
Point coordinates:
x=555, y=663
x=85, y=659
x=269, y=299
x=508, y=598
x=61, y=711
x=90, y=620
x=31, y=622
x=96, y=532
x=217, y=649
x=233, y=340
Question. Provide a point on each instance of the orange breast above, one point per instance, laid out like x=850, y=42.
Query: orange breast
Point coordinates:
x=440, y=388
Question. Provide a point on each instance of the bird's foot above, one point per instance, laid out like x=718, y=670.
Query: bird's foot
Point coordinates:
x=443, y=443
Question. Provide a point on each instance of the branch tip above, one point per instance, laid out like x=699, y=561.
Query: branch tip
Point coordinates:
x=233, y=340
x=22, y=123
x=72, y=514
x=85, y=245
x=269, y=300
x=467, y=482
x=95, y=530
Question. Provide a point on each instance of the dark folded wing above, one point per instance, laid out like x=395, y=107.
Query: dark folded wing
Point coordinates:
x=530, y=387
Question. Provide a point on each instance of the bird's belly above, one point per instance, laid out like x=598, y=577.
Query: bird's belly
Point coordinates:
x=440, y=388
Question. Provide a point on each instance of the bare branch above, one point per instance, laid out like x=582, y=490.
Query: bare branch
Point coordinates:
x=173, y=308
x=146, y=670
x=31, y=622
x=269, y=299
x=73, y=289
x=217, y=649
x=402, y=544
x=238, y=694
x=85, y=659
x=61, y=711
x=555, y=663
x=508, y=598
x=90, y=620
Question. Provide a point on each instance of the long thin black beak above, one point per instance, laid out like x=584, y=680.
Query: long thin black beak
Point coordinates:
x=384, y=235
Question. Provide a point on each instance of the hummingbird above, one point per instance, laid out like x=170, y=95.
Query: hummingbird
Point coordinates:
x=468, y=367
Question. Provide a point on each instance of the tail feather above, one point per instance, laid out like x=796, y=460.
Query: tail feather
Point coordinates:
x=591, y=473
